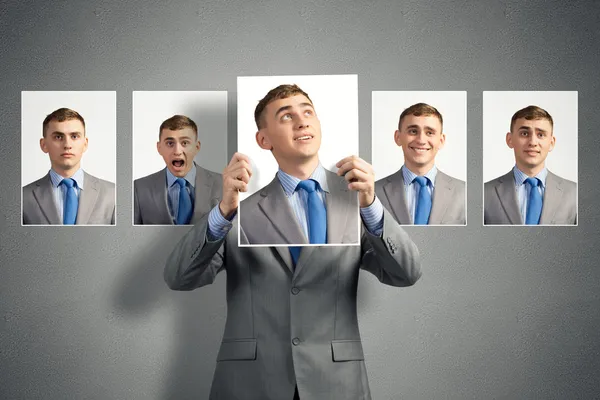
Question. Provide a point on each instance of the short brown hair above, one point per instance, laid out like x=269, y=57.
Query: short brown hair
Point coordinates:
x=529, y=113
x=61, y=115
x=280, y=92
x=177, y=122
x=420, y=109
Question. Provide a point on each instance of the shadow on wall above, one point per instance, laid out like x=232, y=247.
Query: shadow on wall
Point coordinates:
x=199, y=315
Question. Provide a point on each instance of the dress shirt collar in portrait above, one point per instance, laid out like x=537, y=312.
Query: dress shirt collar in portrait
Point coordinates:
x=57, y=179
x=521, y=176
x=410, y=176
x=190, y=177
x=289, y=182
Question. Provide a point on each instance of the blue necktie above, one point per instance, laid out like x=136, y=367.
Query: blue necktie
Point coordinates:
x=423, y=202
x=534, y=202
x=317, y=217
x=184, y=211
x=71, y=202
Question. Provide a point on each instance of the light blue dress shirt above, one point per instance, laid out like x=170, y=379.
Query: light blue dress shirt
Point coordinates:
x=173, y=190
x=523, y=189
x=412, y=189
x=59, y=191
x=372, y=215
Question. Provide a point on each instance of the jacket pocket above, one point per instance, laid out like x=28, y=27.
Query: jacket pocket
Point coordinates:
x=237, y=349
x=347, y=350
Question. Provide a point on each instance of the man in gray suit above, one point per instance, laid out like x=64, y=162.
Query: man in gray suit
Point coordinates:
x=419, y=193
x=182, y=192
x=67, y=194
x=530, y=194
x=292, y=329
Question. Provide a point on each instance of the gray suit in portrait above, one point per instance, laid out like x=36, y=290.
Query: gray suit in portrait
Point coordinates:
x=501, y=205
x=291, y=326
x=448, y=201
x=150, y=197
x=96, y=202
x=267, y=217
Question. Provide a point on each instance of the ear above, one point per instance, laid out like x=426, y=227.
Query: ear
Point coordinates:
x=397, y=138
x=552, y=143
x=442, y=139
x=263, y=141
x=509, y=140
x=158, y=148
x=198, y=145
x=43, y=145
x=85, y=145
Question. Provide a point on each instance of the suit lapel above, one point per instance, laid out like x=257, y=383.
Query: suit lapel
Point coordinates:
x=552, y=198
x=508, y=198
x=277, y=210
x=159, y=198
x=87, y=199
x=338, y=208
x=285, y=256
x=442, y=195
x=394, y=191
x=305, y=255
x=203, y=190
x=45, y=199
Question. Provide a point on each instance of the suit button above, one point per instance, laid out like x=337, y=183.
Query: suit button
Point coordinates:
x=295, y=290
x=295, y=341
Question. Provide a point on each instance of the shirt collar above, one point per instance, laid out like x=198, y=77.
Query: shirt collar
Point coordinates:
x=289, y=182
x=521, y=176
x=190, y=177
x=57, y=179
x=410, y=176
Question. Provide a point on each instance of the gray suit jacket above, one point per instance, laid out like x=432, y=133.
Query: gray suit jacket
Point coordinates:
x=448, y=202
x=150, y=203
x=501, y=206
x=291, y=326
x=267, y=217
x=96, y=203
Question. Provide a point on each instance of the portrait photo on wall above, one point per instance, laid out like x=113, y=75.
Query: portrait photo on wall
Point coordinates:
x=295, y=129
x=419, y=147
x=68, y=157
x=530, y=158
x=179, y=151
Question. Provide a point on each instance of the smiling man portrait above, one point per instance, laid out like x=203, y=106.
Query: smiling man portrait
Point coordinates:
x=67, y=195
x=419, y=193
x=530, y=194
x=182, y=192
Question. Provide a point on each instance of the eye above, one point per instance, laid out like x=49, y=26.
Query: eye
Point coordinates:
x=57, y=137
x=524, y=133
x=429, y=133
x=185, y=143
x=74, y=136
x=286, y=117
x=308, y=112
x=169, y=143
x=412, y=131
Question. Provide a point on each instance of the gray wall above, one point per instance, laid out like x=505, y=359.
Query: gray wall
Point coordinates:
x=499, y=313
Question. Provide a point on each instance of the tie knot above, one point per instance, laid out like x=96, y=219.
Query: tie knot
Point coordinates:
x=68, y=182
x=309, y=185
x=181, y=182
x=421, y=180
x=533, y=182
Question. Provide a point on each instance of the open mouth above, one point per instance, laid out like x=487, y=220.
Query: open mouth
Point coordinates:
x=178, y=163
x=420, y=150
x=302, y=138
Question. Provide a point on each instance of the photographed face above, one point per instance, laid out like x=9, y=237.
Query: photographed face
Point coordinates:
x=65, y=142
x=420, y=138
x=291, y=130
x=178, y=149
x=531, y=141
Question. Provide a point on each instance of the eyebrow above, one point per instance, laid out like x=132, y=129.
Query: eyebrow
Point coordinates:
x=285, y=108
x=528, y=129
x=62, y=133
x=425, y=127
x=180, y=137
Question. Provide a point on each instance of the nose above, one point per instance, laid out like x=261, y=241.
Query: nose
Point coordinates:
x=422, y=137
x=302, y=122
x=68, y=142
x=178, y=148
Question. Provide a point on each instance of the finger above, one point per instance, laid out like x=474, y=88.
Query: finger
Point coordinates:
x=344, y=160
x=355, y=163
x=238, y=157
x=243, y=164
x=356, y=175
x=237, y=185
x=240, y=174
